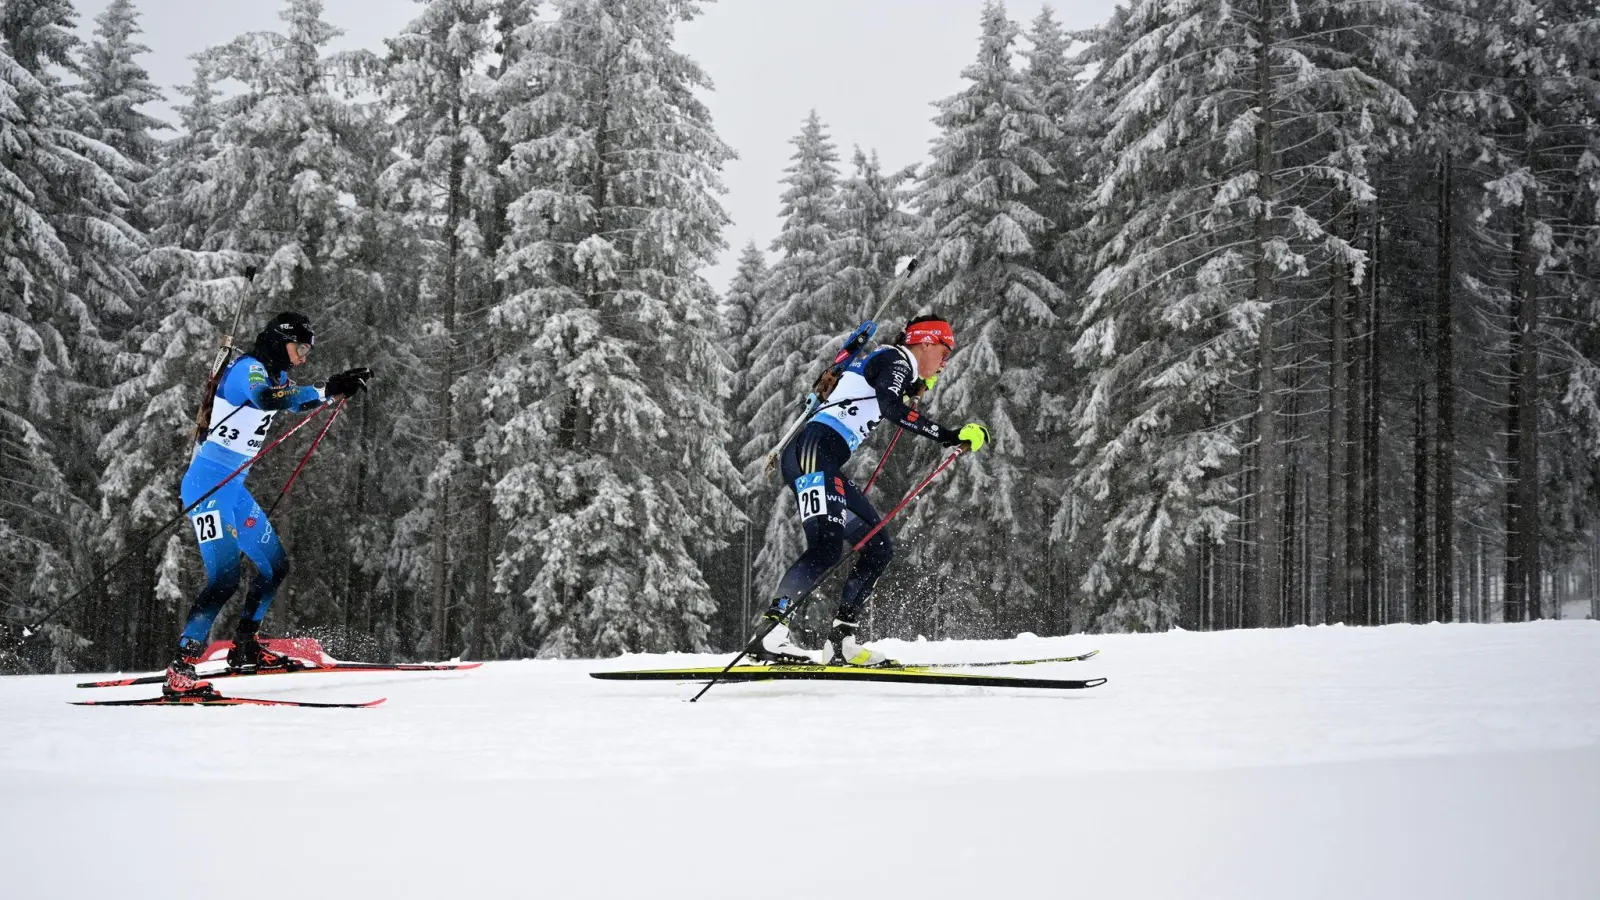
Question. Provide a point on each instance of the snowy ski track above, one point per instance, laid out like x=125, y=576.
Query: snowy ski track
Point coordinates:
x=1457, y=761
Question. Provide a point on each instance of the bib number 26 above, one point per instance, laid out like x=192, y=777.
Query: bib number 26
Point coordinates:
x=812, y=493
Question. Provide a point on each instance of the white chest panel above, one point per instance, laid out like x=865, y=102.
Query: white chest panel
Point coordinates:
x=241, y=430
x=856, y=419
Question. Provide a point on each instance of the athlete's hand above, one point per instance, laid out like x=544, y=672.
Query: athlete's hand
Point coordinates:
x=974, y=435
x=349, y=382
x=922, y=386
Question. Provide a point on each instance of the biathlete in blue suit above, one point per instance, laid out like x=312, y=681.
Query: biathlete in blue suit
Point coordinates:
x=832, y=509
x=251, y=394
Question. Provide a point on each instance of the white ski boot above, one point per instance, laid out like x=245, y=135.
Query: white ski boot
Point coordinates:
x=772, y=642
x=843, y=650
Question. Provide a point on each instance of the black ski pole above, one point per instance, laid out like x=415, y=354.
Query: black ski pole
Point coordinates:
x=29, y=631
x=855, y=549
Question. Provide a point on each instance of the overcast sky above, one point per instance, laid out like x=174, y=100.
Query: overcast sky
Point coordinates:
x=869, y=67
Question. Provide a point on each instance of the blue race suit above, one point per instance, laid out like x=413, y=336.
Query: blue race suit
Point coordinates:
x=832, y=508
x=231, y=521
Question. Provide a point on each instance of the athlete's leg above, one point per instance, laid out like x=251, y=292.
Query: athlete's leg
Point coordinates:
x=259, y=541
x=874, y=558
x=811, y=468
x=217, y=534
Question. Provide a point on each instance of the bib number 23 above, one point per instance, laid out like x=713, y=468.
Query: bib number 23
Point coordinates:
x=207, y=526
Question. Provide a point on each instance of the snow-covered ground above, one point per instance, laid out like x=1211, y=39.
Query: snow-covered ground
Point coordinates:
x=1453, y=762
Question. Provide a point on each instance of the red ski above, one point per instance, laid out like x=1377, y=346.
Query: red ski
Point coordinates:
x=226, y=701
x=334, y=667
x=307, y=653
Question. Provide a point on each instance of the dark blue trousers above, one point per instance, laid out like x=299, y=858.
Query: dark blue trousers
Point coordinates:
x=832, y=510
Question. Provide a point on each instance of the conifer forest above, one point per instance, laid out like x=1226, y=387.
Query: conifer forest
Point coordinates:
x=1280, y=312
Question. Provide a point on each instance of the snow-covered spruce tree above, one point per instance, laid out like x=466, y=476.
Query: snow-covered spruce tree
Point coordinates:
x=118, y=85
x=130, y=504
x=114, y=86
x=439, y=93
x=67, y=248
x=983, y=272
x=741, y=307
x=731, y=578
x=193, y=296
x=495, y=632
x=1051, y=77
x=872, y=231
x=1532, y=163
x=1237, y=132
x=793, y=333
x=609, y=387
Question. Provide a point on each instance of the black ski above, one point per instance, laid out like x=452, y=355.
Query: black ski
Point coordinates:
x=998, y=662
x=880, y=674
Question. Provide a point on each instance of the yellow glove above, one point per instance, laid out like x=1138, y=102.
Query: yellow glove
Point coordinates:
x=974, y=435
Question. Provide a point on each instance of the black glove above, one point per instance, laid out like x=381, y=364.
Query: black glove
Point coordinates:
x=349, y=382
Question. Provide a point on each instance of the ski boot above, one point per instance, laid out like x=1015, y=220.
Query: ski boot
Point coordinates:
x=772, y=642
x=182, y=683
x=248, y=657
x=843, y=650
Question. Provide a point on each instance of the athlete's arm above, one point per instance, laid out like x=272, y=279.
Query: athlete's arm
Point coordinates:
x=890, y=377
x=262, y=395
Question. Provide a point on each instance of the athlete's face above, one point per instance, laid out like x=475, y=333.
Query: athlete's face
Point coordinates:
x=298, y=353
x=930, y=358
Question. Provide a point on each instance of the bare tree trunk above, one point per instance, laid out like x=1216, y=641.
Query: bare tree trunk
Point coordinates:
x=1444, y=497
x=1337, y=605
x=445, y=403
x=1371, y=556
x=1420, y=543
x=1522, y=598
x=1594, y=575
x=1480, y=584
x=359, y=589
x=1356, y=593
x=1528, y=412
x=1267, y=609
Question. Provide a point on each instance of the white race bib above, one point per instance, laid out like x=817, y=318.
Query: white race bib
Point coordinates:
x=207, y=526
x=238, y=429
x=812, y=493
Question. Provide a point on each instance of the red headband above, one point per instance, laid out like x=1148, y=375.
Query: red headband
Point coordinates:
x=933, y=332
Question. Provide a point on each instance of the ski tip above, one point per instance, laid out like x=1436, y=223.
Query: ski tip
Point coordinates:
x=380, y=700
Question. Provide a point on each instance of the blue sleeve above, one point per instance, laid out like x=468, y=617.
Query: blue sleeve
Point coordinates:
x=247, y=383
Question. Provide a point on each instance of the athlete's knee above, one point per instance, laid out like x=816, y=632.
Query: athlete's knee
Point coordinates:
x=824, y=542
x=219, y=588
